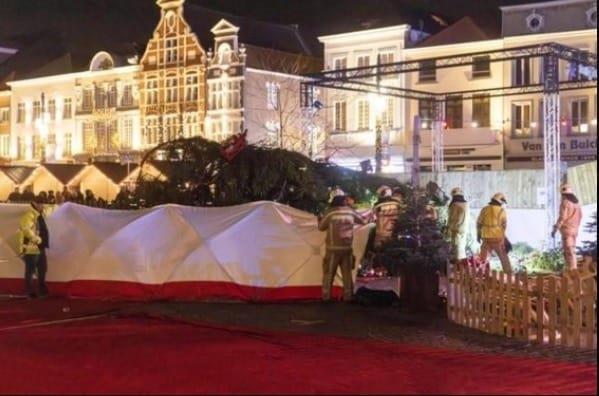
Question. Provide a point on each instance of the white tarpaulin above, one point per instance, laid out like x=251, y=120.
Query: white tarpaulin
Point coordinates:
x=258, y=251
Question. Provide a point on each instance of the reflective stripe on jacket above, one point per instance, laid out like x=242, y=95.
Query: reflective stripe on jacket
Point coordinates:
x=387, y=214
x=27, y=236
x=492, y=222
x=339, y=225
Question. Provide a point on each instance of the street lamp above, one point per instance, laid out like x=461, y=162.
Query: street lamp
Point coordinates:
x=42, y=125
x=378, y=104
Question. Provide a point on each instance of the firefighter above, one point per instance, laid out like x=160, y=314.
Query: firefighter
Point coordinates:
x=457, y=224
x=386, y=212
x=568, y=224
x=338, y=222
x=29, y=241
x=491, y=227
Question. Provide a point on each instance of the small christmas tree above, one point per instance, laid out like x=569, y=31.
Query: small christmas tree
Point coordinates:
x=420, y=252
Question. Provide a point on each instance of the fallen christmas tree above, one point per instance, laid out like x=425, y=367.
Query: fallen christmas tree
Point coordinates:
x=204, y=173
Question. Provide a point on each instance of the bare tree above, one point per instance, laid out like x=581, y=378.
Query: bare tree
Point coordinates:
x=273, y=100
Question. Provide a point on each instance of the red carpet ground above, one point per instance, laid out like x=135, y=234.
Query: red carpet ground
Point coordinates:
x=142, y=355
x=22, y=312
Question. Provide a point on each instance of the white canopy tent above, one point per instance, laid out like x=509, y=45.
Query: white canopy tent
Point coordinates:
x=261, y=251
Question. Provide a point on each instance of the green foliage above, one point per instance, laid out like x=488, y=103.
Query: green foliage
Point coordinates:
x=197, y=175
x=420, y=240
x=548, y=261
x=590, y=247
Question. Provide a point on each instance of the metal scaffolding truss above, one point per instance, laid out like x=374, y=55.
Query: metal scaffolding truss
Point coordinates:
x=380, y=71
x=374, y=80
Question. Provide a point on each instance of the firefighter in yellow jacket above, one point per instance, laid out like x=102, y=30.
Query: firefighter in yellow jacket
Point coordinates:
x=457, y=224
x=568, y=224
x=491, y=226
x=386, y=212
x=339, y=223
x=28, y=245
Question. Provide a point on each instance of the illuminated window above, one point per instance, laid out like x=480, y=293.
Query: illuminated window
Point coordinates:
x=86, y=100
x=4, y=146
x=68, y=144
x=579, y=109
x=384, y=59
x=521, y=119
x=127, y=99
x=454, y=110
x=387, y=117
x=67, y=108
x=21, y=113
x=481, y=111
x=171, y=89
x=100, y=97
x=273, y=91
x=340, y=116
x=340, y=64
x=224, y=54
x=112, y=96
x=428, y=72
x=481, y=66
x=37, y=109
x=52, y=109
x=170, y=50
x=191, y=88
x=521, y=72
x=4, y=115
x=426, y=113
x=363, y=115
x=363, y=61
x=152, y=91
x=89, y=139
x=127, y=133
x=235, y=95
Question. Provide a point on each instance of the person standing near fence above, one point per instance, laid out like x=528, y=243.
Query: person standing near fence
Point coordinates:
x=568, y=224
x=457, y=224
x=490, y=227
x=29, y=241
x=339, y=222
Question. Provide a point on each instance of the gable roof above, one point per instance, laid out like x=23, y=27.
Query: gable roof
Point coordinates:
x=68, y=44
x=64, y=173
x=464, y=30
x=18, y=174
x=282, y=62
x=115, y=171
x=251, y=31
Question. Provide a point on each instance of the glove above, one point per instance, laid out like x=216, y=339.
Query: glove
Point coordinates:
x=553, y=233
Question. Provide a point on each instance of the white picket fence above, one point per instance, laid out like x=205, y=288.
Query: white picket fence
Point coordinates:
x=549, y=309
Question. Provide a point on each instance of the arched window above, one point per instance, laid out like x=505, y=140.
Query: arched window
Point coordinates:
x=101, y=61
x=224, y=54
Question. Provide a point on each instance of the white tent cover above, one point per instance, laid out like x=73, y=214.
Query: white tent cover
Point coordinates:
x=261, y=251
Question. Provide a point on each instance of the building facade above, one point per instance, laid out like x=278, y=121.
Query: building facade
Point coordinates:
x=480, y=132
x=172, y=79
x=124, y=104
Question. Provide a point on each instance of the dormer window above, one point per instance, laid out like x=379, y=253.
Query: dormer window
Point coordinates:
x=535, y=22
x=592, y=16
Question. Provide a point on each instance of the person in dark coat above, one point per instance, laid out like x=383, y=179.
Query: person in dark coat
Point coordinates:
x=43, y=233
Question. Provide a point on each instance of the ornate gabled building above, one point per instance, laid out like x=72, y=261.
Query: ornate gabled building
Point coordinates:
x=225, y=75
x=74, y=104
x=172, y=79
